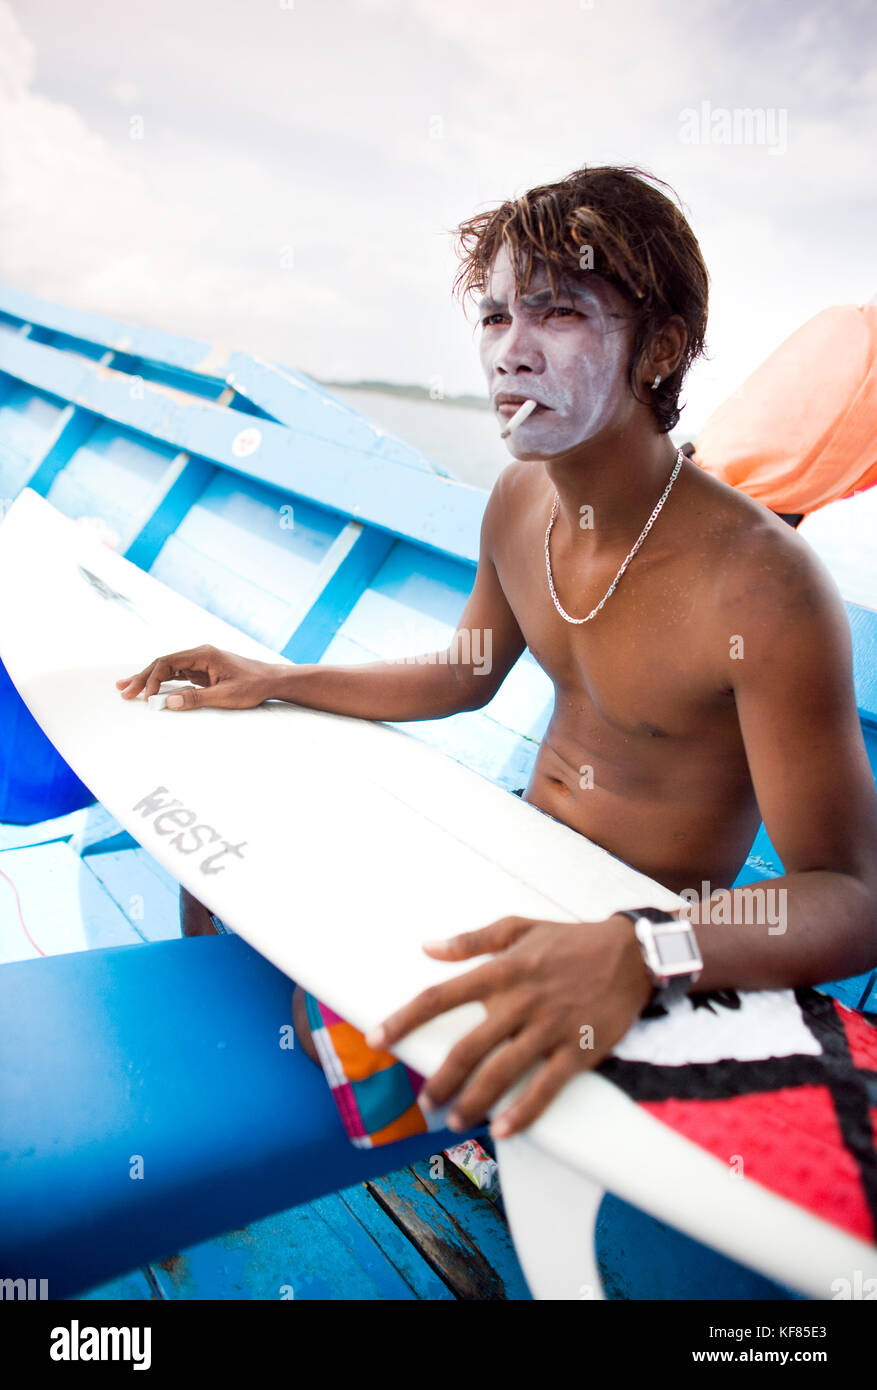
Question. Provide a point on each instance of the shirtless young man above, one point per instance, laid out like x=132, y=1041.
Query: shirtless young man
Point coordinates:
x=713, y=688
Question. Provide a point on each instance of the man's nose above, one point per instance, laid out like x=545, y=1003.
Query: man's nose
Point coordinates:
x=518, y=349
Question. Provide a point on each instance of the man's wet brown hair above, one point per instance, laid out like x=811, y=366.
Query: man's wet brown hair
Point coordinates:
x=613, y=222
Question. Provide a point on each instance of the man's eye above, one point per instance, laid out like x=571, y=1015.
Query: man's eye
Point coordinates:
x=563, y=309
x=489, y=319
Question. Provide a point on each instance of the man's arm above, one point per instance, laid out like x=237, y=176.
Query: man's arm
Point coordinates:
x=797, y=711
x=465, y=676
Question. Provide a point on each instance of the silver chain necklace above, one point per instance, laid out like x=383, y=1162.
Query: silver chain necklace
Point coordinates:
x=630, y=554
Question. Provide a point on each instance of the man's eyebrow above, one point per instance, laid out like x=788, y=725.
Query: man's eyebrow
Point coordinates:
x=488, y=305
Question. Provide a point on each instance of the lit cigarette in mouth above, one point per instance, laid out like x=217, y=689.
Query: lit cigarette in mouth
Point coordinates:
x=518, y=418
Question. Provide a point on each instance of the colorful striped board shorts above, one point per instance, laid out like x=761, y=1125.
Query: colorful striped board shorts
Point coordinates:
x=375, y=1093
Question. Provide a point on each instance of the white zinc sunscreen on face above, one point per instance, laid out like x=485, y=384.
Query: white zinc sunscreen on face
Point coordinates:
x=524, y=413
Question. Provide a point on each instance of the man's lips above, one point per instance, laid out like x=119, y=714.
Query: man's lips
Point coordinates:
x=507, y=408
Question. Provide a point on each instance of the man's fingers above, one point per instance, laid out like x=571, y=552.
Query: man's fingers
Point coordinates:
x=163, y=671
x=190, y=698
x=497, y=936
x=149, y=681
x=465, y=1056
x=221, y=696
x=188, y=665
x=495, y=1076
x=475, y=984
x=131, y=686
x=151, y=677
x=548, y=1081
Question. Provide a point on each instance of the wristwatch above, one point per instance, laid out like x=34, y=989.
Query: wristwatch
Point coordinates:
x=669, y=950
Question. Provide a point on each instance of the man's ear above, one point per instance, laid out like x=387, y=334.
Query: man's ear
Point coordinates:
x=666, y=350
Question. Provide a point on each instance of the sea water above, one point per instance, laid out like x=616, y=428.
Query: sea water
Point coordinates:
x=462, y=439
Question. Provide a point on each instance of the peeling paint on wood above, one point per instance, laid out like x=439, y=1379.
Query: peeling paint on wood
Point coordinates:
x=440, y=1238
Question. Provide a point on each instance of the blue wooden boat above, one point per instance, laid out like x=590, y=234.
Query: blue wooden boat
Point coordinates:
x=250, y=488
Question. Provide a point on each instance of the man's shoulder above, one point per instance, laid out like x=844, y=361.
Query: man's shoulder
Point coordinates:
x=753, y=550
x=518, y=475
x=516, y=486
x=768, y=578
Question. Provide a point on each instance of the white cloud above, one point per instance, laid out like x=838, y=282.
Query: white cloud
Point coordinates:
x=124, y=91
x=313, y=129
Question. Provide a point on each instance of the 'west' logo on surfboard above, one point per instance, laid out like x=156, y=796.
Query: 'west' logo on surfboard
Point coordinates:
x=103, y=588
x=192, y=835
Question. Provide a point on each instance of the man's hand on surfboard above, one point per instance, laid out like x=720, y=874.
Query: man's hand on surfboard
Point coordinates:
x=219, y=680
x=558, y=996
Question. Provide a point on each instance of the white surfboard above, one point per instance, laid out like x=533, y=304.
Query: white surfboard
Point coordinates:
x=335, y=847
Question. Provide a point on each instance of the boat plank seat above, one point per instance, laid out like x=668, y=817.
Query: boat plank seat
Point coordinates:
x=149, y=1105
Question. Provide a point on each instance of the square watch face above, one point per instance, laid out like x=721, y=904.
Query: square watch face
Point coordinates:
x=674, y=948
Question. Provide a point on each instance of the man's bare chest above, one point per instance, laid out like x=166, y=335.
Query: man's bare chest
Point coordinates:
x=651, y=664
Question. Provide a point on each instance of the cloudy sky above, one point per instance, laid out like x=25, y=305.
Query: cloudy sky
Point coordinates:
x=282, y=175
